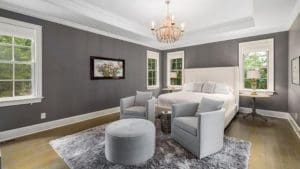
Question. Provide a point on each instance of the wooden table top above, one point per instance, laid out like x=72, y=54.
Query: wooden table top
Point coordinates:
x=255, y=96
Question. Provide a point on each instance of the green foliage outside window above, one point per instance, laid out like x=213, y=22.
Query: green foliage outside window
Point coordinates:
x=6, y=89
x=257, y=61
x=6, y=71
x=152, y=64
x=5, y=52
x=5, y=39
x=23, y=88
x=176, y=67
x=15, y=70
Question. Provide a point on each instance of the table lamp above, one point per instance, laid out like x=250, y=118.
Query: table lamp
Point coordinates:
x=253, y=75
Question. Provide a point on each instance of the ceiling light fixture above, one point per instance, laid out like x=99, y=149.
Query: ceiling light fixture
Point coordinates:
x=167, y=31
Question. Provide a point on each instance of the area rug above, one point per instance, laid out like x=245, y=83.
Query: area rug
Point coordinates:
x=85, y=150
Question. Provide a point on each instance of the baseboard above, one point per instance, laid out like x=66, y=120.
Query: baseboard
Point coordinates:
x=268, y=113
x=275, y=114
x=294, y=125
x=23, y=131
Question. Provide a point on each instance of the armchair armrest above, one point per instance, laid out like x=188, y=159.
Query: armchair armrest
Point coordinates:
x=126, y=102
x=211, y=131
x=184, y=109
x=150, y=109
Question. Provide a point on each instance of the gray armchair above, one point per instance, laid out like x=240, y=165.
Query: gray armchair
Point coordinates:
x=130, y=110
x=202, y=134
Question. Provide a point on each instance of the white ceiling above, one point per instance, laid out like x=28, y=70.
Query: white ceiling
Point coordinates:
x=205, y=20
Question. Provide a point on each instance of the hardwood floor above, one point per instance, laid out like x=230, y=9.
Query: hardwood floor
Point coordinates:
x=274, y=145
x=34, y=151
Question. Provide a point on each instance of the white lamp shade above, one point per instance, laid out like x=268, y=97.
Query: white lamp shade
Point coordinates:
x=253, y=74
x=173, y=75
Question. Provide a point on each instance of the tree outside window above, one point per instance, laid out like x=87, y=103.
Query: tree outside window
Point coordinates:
x=256, y=61
x=176, y=72
x=152, y=73
x=257, y=55
x=15, y=66
x=152, y=70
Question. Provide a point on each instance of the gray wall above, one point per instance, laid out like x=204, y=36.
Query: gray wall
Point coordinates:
x=67, y=87
x=225, y=53
x=68, y=90
x=294, y=51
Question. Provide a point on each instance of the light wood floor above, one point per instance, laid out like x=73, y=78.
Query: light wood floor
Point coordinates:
x=274, y=145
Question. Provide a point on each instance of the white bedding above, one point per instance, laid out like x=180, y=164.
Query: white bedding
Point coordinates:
x=166, y=100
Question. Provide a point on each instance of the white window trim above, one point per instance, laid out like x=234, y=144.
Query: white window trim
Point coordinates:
x=266, y=44
x=153, y=55
x=174, y=55
x=36, y=68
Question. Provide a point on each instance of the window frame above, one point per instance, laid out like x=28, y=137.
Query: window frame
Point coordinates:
x=257, y=46
x=153, y=55
x=171, y=56
x=36, y=62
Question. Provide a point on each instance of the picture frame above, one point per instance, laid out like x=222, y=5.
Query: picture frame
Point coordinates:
x=106, y=68
x=295, y=70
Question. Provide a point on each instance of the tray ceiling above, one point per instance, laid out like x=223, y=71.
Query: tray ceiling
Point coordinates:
x=206, y=20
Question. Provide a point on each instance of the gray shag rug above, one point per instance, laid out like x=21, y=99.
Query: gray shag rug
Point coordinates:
x=85, y=150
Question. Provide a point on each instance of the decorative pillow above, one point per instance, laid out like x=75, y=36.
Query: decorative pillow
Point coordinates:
x=188, y=87
x=208, y=87
x=207, y=105
x=141, y=98
x=198, y=87
x=223, y=89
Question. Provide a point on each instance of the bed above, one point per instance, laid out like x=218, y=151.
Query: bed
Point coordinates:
x=221, y=76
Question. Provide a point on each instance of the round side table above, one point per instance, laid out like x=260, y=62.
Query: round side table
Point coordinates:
x=254, y=114
x=165, y=121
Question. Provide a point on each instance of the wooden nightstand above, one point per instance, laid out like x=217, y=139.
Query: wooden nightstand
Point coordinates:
x=170, y=90
x=253, y=113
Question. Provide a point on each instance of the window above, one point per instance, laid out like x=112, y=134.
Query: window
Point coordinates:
x=259, y=56
x=20, y=62
x=152, y=70
x=175, y=66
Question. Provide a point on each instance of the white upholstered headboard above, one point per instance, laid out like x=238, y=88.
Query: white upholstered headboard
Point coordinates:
x=226, y=75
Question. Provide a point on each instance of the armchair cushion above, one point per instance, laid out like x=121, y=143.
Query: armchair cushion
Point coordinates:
x=135, y=111
x=188, y=124
x=208, y=105
x=141, y=98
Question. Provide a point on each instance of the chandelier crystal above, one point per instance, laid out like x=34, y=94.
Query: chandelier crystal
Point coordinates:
x=168, y=31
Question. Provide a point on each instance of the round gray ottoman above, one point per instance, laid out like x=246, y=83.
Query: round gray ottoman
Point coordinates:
x=129, y=141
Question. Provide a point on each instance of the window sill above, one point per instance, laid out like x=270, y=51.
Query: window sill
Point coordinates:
x=174, y=87
x=152, y=87
x=268, y=92
x=19, y=101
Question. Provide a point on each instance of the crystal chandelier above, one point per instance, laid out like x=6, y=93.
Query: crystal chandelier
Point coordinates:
x=167, y=31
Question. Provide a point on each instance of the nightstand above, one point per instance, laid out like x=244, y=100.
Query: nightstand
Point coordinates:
x=253, y=97
x=170, y=90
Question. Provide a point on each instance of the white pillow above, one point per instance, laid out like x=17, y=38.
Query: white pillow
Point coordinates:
x=209, y=87
x=188, y=87
x=223, y=89
x=198, y=87
x=208, y=105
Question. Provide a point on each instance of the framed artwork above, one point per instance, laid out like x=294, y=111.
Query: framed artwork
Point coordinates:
x=295, y=63
x=106, y=68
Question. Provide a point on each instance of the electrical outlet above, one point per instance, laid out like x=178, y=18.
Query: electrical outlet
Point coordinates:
x=43, y=115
